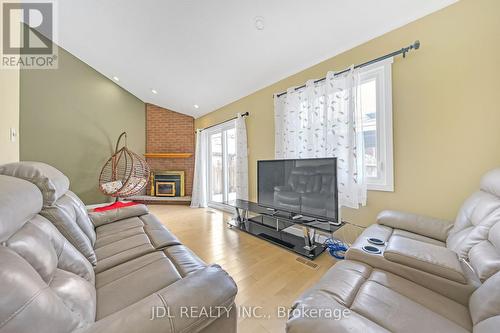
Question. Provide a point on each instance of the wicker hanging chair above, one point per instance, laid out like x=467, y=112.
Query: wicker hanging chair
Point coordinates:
x=125, y=173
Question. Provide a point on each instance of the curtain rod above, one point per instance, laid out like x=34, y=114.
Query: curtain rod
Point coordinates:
x=404, y=50
x=246, y=114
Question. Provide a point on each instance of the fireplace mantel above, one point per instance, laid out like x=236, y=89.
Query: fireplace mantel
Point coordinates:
x=168, y=155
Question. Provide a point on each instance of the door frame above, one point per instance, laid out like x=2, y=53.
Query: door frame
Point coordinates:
x=209, y=132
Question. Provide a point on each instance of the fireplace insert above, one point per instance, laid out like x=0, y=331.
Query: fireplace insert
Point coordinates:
x=167, y=183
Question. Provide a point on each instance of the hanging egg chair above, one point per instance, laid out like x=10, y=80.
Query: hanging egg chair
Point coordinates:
x=125, y=173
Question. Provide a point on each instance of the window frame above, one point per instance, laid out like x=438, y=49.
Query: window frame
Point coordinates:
x=382, y=72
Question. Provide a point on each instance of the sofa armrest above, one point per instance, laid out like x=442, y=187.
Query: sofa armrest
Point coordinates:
x=422, y=225
x=188, y=305
x=430, y=258
x=113, y=215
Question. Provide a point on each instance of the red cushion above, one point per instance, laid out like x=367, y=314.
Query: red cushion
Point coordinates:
x=116, y=205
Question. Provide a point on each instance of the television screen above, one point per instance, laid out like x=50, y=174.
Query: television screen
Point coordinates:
x=301, y=186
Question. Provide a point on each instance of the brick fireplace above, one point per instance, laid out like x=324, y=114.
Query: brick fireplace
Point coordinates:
x=170, y=139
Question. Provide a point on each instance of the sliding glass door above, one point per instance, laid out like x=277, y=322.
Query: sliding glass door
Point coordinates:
x=221, y=142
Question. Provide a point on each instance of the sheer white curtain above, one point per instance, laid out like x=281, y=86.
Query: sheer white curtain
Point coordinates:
x=199, y=196
x=241, y=159
x=324, y=120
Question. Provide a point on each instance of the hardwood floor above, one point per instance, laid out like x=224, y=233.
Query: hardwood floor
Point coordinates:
x=267, y=276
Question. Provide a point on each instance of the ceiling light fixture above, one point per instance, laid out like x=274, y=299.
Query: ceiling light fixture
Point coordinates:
x=196, y=106
x=154, y=91
x=116, y=78
x=259, y=22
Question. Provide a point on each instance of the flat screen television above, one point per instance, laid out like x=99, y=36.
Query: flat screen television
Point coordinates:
x=301, y=186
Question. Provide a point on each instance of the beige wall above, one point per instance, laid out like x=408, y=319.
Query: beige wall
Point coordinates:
x=9, y=114
x=9, y=110
x=445, y=105
x=71, y=118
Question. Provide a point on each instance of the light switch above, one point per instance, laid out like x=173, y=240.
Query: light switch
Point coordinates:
x=13, y=134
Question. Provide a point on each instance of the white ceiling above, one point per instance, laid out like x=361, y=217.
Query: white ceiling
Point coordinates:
x=209, y=53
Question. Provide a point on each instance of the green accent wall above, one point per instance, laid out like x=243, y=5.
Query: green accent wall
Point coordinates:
x=71, y=118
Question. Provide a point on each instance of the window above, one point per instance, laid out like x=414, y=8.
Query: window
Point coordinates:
x=221, y=164
x=375, y=100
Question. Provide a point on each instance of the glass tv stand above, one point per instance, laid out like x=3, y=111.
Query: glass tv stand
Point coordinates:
x=295, y=234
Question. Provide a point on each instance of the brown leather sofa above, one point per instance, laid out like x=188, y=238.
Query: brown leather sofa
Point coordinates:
x=430, y=275
x=64, y=269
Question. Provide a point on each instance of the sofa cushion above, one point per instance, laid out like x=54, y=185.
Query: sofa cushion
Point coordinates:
x=78, y=295
x=112, y=228
x=69, y=215
x=35, y=248
x=121, y=251
x=420, y=238
x=61, y=206
x=105, y=238
x=108, y=216
x=485, y=301
x=185, y=261
x=51, y=182
x=378, y=302
x=422, y=225
x=430, y=258
x=45, y=283
x=206, y=289
x=64, y=269
x=477, y=215
x=429, y=299
x=485, y=256
x=20, y=285
x=318, y=300
x=400, y=313
x=159, y=235
x=490, y=182
x=126, y=284
x=20, y=200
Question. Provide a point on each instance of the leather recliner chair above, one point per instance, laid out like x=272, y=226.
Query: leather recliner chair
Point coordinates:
x=433, y=252
x=107, y=273
x=309, y=191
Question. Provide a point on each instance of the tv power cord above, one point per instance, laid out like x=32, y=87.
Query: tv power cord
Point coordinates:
x=336, y=248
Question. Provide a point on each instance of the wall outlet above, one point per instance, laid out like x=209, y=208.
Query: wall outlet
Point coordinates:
x=13, y=134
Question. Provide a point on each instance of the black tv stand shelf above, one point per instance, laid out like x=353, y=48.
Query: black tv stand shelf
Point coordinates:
x=275, y=226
